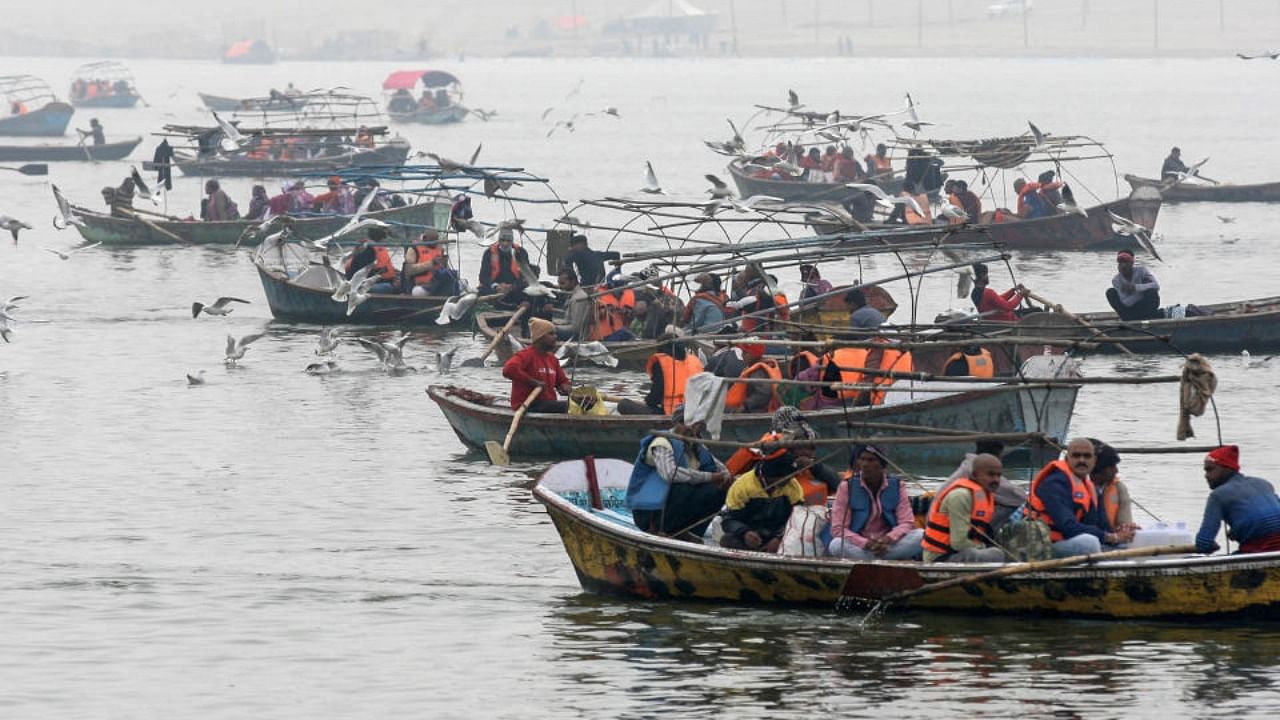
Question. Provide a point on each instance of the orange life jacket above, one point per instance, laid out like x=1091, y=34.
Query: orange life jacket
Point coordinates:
x=779, y=310
x=736, y=399
x=979, y=365
x=261, y=151
x=893, y=360
x=937, y=528
x=382, y=267
x=611, y=312
x=426, y=254
x=924, y=217
x=850, y=362
x=1111, y=502
x=675, y=375
x=1083, y=496
x=495, y=262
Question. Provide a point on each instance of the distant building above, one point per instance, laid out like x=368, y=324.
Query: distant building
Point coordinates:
x=664, y=26
x=249, y=52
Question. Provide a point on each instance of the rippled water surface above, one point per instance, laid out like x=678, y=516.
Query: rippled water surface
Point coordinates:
x=278, y=545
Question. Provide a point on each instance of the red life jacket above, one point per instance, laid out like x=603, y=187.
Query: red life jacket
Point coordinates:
x=495, y=262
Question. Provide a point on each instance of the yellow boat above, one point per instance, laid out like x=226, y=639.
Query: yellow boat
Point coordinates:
x=612, y=557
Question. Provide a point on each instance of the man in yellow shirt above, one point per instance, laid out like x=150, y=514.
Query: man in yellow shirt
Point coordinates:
x=759, y=504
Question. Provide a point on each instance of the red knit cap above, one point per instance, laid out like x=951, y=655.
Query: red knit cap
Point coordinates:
x=1228, y=456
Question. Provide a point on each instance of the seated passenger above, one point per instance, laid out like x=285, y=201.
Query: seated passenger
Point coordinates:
x=707, y=309
x=677, y=488
x=371, y=253
x=958, y=527
x=1113, y=495
x=1000, y=307
x=577, y=307
x=1247, y=504
x=1063, y=497
x=669, y=373
x=754, y=397
x=871, y=518
x=759, y=504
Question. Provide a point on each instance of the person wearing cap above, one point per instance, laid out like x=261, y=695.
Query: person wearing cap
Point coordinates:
x=759, y=503
x=871, y=517
x=1134, y=293
x=364, y=187
x=730, y=360
x=1247, y=504
x=538, y=366
x=500, y=266
x=755, y=300
x=372, y=253
x=706, y=311
x=958, y=525
x=588, y=263
x=677, y=487
x=1172, y=165
x=992, y=305
x=1113, y=495
x=1064, y=498
x=863, y=316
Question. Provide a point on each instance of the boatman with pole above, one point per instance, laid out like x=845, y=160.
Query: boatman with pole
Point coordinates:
x=1247, y=504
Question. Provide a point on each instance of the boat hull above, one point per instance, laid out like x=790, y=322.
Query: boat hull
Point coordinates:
x=128, y=231
x=220, y=103
x=115, y=100
x=290, y=300
x=68, y=153
x=436, y=116
x=1188, y=192
x=998, y=409
x=613, y=558
x=48, y=121
x=390, y=155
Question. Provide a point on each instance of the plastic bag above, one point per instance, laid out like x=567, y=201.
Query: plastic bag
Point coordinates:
x=803, y=534
x=587, y=401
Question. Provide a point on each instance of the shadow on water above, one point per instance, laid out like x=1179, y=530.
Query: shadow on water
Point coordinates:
x=747, y=658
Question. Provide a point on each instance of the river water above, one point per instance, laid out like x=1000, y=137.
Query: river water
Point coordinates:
x=279, y=545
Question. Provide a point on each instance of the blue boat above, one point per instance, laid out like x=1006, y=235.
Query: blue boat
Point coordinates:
x=104, y=85
x=31, y=109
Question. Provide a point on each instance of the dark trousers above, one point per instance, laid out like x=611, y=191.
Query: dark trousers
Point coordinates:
x=1148, y=308
x=689, y=507
x=549, y=406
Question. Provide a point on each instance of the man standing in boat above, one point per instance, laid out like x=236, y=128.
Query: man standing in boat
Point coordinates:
x=538, y=366
x=1134, y=293
x=588, y=263
x=1247, y=504
x=1064, y=498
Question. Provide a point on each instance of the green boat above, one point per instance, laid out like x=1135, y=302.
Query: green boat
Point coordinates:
x=100, y=227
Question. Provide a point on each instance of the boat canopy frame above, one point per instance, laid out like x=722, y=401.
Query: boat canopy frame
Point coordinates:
x=27, y=89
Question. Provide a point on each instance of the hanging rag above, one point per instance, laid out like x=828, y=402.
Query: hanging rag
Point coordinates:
x=1195, y=390
x=704, y=400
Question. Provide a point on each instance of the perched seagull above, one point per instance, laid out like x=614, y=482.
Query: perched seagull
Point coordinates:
x=1068, y=204
x=1249, y=362
x=221, y=306
x=1036, y=134
x=793, y=100
x=197, y=379
x=651, y=185
x=1225, y=219
x=321, y=367
x=444, y=360
x=329, y=341
x=13, y=225
x=67, y=255
x=719, y=191
x=456, y=308
x=595, y=351
x=1125, y=226
x=236, y=348
x=390, y=354
x=69, y=216
x=156, y=196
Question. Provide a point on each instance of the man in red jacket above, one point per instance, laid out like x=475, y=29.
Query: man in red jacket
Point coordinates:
x=538, y=366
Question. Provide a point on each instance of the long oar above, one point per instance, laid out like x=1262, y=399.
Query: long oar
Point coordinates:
x=502, y=334
x=498, y=454
x=1084, y=323
x=29, y=169
x=889, y=583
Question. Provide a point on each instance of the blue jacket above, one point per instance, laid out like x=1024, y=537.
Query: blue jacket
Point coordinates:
x=1248, y=505
x=860, y=502
x=647, y=490
x=1055, y=492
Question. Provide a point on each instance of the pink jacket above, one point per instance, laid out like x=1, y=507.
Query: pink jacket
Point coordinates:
x=877, y=525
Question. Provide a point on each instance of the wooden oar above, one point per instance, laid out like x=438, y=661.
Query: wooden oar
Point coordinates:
x=498, y=454
x=1063, y=311
x=176, y=238
x=889, y=583
x=502, y=334
x=29, y=169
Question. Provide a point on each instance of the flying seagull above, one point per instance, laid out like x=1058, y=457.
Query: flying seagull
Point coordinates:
x=236, y=348
x=1125, y=226
x=69, y=216
x=197, y=379
x=329, y=341
x=444, y=360
x=221, y=306
x=67, y=254
x=13, y=225
x=719, y=190
x=651, y=185
x=1069, y=204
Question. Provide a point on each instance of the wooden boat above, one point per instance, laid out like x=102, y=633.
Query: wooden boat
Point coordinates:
x=100, y=227
x=442, y=87
x=30, y=108
x=391, y=154
x=103, y=84
x=307, y=297
x=1065, y=231
x=1195, y=192
x=1252, y=325
x=799, y=191
x=611, y=557
x=68, y=153
x=631, y=354
x=223, y=104
x=983, y=408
